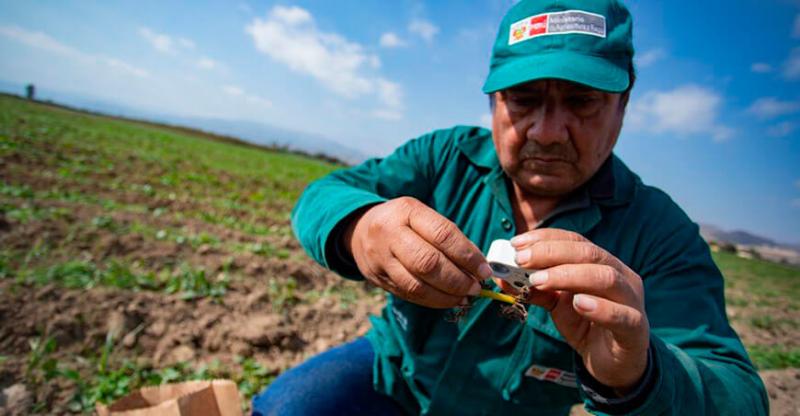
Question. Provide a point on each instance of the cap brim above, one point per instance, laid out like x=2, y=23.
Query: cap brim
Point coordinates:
x=595, y=72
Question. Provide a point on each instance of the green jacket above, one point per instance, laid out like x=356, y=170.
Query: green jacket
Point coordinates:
x=479, y=364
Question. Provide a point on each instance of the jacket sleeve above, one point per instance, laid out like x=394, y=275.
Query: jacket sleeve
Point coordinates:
x=700, y=365
x=323, y=210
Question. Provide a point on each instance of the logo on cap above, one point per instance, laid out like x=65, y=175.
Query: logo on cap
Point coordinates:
x=558, y=23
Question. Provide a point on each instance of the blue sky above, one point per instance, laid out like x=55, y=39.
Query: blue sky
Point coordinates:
x=714, y=119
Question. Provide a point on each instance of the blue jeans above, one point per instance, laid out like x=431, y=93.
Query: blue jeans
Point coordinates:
x=336, y=382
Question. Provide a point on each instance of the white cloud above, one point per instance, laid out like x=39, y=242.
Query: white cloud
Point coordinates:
x=391, y=40
x=245, y=8
x=770, y=107
x=290, y=36
x=47, y=43
x=485, y=120
x=206, y=63
x=424, y=29
x=782, y=129
x=686, y=110
x=761, y=67
x=233, y=90
x=39, y=40
x=791, y=68
x=255, y=99
x=186, y=43
x=796, y=27
x=650, y=57
x=291, y=15
x=238, y=92
x=386, y=114
x=159, y=41
x=163, y=42
x=126, y=67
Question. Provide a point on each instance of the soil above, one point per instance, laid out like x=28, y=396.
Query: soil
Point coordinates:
x=164, y=329
x=278, y=330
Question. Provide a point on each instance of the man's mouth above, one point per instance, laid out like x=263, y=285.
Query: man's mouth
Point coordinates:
x=543, y=161
x=547, y=159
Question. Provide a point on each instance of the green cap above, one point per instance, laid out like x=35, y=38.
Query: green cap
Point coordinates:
x=588, y=42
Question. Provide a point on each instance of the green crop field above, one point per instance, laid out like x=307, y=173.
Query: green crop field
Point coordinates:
x=135, y=254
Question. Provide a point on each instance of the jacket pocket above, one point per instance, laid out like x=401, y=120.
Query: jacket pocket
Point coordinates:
x=541, y=372
x=411, y=323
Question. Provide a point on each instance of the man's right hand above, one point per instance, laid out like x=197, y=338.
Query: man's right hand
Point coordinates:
x=410, y=250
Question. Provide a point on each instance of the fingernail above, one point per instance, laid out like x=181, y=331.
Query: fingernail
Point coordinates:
x=464, y=302
x=538, y=278
x=484, y=271
x=475, y=289
x=523, y=256
x=519, y=240
x=585, y=303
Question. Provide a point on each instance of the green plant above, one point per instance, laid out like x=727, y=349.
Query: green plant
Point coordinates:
x=766, y=357
x=194, y=283
x=253, y=378
x=103, y=221
x=282, y=294
x=764, y=322
x=5, y=265
x=41, y=366
x=22, y=191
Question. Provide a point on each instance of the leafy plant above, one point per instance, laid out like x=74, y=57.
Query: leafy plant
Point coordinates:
x=282, y=294
x=194, y=283
x=41, y=365
x=22, y=191
x=253, y=378
x=769, y=357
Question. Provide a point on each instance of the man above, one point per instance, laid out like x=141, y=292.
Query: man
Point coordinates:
x=627, y=311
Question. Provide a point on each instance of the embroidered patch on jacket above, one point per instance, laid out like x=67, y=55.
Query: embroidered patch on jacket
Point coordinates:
x=554, y=375
x=557, y=23
x=400, y=318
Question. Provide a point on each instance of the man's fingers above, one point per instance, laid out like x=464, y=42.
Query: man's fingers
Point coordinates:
x=544, y=234
x=425, y=262
x=595, y=279
x=545, y=299
x=544, y=254
x=415, y=290
x=626, y=323
x=445, y=236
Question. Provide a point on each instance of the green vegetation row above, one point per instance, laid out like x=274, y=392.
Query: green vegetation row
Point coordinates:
x=110, y=379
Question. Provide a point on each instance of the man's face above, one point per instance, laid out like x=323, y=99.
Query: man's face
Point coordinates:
x=551, y=136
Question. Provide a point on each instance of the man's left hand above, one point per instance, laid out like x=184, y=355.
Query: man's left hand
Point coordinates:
x=595, y=301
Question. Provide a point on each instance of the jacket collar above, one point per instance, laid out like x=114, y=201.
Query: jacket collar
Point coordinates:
x=612, y=184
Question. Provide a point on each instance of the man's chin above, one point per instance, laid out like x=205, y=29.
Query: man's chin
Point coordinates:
x=545, y=185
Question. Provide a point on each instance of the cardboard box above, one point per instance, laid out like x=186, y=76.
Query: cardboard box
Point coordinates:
x=192, y=398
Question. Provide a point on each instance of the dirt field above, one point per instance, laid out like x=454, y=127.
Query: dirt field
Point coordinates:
x=134, y=255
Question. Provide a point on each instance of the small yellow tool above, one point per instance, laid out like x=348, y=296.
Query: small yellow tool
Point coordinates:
x=497, y=296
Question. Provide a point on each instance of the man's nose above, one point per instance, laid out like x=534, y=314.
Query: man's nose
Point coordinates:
x=549, y=126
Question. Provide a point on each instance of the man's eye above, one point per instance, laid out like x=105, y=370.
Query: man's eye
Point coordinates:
x=581, y=100
x=524, y=101
x=584, y=105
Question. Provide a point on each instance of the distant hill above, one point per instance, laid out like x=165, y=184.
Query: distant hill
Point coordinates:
x=755, y=245
x=714, y=233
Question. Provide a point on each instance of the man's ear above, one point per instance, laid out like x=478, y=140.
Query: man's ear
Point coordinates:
x=624, y=98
